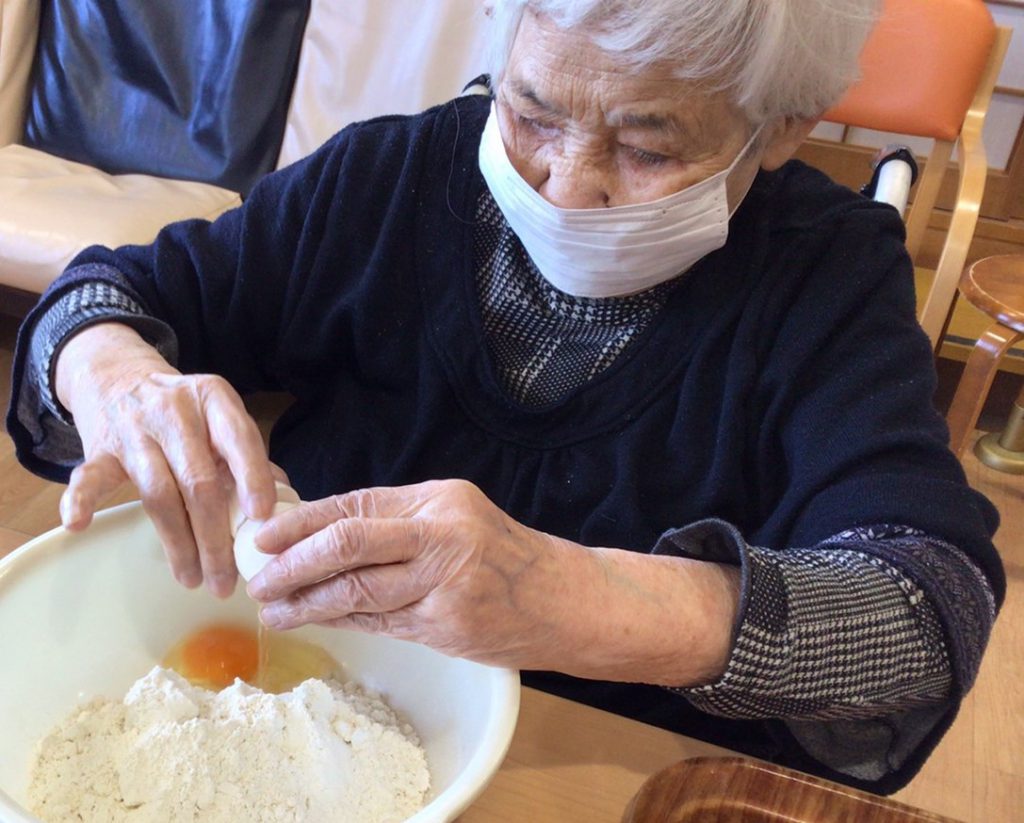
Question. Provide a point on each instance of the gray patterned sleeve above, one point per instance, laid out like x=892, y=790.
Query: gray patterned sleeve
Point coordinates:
x=857, y=644
x=100, y=295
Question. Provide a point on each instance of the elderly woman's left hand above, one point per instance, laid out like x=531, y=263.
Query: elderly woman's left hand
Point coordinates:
x=440, y=564
x=436, y=562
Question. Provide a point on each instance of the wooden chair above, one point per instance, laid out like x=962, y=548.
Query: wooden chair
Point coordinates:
x=995, y=285
x=928, y=70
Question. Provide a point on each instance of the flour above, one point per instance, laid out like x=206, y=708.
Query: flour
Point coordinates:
x=173, y=752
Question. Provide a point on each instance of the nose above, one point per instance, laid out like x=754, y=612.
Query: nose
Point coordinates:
x=576, y=183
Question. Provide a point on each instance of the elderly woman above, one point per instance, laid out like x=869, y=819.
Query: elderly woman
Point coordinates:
x=589, y=381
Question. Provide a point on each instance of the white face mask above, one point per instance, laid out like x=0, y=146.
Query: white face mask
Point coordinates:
x=608, y=252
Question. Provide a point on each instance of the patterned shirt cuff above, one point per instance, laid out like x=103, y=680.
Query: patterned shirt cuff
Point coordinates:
x=834, y=631
x=92, y=302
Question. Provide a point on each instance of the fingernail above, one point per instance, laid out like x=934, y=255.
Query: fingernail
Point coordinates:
x=260, y=504
x=189, y=578
x=257, y=587
x=264, y=537
x=274, y=617
x=68, y=511
x=222, y=584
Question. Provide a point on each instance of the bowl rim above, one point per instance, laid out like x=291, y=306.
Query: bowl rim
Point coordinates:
x=467, y=787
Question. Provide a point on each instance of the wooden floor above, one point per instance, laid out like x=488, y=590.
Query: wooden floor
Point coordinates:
x=976, y=774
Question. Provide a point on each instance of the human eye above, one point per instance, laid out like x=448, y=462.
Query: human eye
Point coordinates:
x=533, y=124
x=646, y=158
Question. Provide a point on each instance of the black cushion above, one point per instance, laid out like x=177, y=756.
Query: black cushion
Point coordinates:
x=194, y=90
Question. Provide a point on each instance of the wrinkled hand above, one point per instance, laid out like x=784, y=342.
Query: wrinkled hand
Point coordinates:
x=437, y=563
x=184, y=441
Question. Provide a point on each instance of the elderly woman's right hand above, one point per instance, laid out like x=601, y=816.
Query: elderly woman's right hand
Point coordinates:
x=184, y=441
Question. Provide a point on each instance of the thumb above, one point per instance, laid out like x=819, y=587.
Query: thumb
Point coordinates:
x=90, y=482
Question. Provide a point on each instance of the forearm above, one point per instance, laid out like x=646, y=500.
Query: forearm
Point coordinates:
x=633, y=617
x=832, y=631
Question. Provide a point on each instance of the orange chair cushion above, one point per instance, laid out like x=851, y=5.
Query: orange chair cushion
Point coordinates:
x=920, y=68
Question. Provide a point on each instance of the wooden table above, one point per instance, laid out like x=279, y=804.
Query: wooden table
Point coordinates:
x=569, y=762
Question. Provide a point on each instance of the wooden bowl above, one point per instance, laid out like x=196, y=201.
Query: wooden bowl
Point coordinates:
x=737, y=790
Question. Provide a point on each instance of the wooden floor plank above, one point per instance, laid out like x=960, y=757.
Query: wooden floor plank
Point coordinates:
x=999, y=692
x=997, y=796
x=930, y=790
x=999, y=698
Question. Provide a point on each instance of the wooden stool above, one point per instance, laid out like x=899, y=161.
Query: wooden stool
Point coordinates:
x=995, y=285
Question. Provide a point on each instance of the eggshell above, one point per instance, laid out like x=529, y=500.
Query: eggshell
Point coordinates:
x=248, y=558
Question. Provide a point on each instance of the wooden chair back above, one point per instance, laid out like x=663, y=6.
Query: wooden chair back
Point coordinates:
x=928, y=70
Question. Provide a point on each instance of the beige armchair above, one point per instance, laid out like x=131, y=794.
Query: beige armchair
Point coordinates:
x=51, y=208
x=358, y=59
x=364, y=58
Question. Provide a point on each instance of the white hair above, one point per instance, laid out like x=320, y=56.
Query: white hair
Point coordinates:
x=775, y=58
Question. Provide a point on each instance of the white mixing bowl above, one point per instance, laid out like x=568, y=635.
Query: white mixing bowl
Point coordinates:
x=86, y=615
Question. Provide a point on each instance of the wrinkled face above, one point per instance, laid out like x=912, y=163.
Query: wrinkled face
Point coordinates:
x=586, y=132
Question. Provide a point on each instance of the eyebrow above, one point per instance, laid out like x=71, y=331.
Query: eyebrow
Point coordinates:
x=527, y=93
x=648, y=121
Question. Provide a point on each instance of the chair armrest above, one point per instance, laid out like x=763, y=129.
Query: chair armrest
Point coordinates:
x=973, y=174
x=51, y=209
x=19, y=28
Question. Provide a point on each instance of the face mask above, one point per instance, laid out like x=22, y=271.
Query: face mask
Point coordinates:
x=608, y=252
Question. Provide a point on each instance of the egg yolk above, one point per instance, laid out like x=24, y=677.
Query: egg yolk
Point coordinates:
x=215, y=655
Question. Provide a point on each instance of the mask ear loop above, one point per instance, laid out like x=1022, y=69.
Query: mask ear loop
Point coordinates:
x=736, y=161
x=451, y=169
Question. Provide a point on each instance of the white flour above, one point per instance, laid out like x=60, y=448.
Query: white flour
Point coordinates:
x=173, y=752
